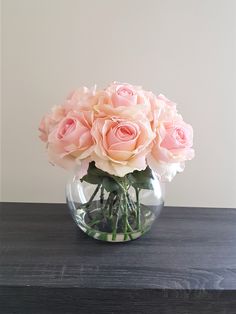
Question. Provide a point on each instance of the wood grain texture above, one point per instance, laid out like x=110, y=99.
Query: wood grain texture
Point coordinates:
x=185, y=264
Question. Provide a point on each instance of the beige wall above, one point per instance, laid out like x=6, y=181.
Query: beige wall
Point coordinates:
x=182, y=48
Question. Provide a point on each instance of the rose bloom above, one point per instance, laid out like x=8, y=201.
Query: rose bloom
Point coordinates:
x=49, y=121
x=66, y=130
x=82, y=99
x=172, y=145
x=121, y=144
x=126, y=101
x=122, y=128
x=71, y=140
x=126, y=95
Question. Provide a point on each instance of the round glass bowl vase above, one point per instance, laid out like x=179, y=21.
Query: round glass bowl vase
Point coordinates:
x=114, y=215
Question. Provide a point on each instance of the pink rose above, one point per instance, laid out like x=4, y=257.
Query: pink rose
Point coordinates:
x=173, y=142
x=66, y=130
x=121, y=145
x=49, y=121
x=122, y=128
x=123, y=94
x=122, y=100
x=166, y=101
x=128, y=101
x=81, y=99
x=71, y=140
x=78, y=100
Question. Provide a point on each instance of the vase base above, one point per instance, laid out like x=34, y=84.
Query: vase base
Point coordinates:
x=109, y=237
x=94, y=224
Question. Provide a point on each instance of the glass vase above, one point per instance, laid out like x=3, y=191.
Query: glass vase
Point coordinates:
x=108, y=213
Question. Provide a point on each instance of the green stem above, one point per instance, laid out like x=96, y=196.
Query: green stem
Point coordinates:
x=92, y=223
x=125, y=217
x=92, y=196
x=116, y=217
x=129, y=227
x=108, y=204
x=111, y=204
x=138, y=209
x=102, y=195
x=131, y=205
x=114, y=226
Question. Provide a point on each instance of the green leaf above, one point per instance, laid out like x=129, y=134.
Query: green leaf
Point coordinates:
x=110, y=184
x=94, y=175
x=141, y=179
x=98, y=176
x=93, y=170
x=92, y=179
x=143, y=174
x=138, y=179
x=145, y=185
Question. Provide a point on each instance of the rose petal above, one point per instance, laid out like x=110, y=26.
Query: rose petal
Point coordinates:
x=119, y=155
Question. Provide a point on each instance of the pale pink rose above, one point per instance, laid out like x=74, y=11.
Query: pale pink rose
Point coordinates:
x=66, y=130
x=81, y=99
x=83, y=166
x=167, y=102
x=122, y=128
x=49, y=121
x=165, y=171
x=128, y=101
x=173, y=143
x=123, y=94
x=121, y=145
x=120, y=99
x=78, y=100
x=154, y=109
x=71, y=140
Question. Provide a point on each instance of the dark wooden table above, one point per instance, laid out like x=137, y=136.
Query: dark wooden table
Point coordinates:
x=185, y=264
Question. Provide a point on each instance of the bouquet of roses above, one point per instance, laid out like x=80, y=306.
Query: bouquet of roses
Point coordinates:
x=117, y=138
